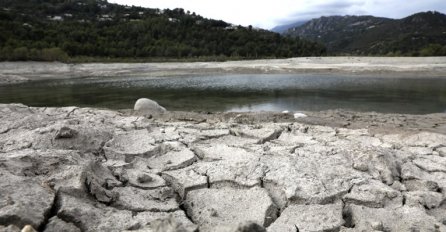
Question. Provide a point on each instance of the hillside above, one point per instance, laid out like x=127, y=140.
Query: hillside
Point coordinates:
x=419, y=34
x=286, y=27
x=66, y=29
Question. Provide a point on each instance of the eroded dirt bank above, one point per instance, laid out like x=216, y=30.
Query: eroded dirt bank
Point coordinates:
x=13, y=72
x=80, y=169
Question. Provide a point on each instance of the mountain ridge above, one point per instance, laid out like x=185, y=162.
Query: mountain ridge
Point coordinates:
x=423, y=33
x=285, y=27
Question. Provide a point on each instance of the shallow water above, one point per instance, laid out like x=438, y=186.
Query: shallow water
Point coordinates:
x=254, y=92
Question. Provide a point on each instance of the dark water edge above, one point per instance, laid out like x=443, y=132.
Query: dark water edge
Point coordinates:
x=269, y=92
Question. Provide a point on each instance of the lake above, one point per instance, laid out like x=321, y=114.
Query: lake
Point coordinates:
x=269, y=92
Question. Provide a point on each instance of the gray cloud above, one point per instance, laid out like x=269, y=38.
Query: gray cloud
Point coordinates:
x=324, y=9
x=338, y=5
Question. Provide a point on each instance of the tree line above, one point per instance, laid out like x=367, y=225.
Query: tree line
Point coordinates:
x=64, y=29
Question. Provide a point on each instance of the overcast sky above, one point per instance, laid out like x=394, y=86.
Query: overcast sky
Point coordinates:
x=269, y=13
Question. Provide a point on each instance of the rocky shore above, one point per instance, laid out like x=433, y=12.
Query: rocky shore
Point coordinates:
x=419, y=67
x=80, y=169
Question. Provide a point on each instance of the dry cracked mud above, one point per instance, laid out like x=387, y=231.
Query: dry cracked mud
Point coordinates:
x=79, y=169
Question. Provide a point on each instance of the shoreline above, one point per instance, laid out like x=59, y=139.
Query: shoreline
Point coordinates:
x=385, y=123
x=88, y=169
x=416, y=67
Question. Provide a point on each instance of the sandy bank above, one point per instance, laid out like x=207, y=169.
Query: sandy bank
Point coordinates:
x=81, y=169
x=378, y=66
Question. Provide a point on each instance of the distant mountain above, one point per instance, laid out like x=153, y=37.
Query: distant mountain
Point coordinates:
x=63, y=29
x=419, y=34
x=283, y=28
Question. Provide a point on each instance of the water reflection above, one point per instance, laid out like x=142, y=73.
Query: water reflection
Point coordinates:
x=240, y=93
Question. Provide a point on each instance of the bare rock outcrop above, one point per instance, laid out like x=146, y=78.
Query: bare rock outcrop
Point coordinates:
x=80, y=169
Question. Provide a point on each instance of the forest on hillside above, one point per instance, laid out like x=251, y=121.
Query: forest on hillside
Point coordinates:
x=97, y=30
x=420, y=34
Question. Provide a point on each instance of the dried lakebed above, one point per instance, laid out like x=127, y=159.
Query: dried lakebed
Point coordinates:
x=80, y=169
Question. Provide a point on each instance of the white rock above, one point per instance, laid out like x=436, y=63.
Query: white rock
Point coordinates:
x=148, y=106
x=28, y=228
x=299, y=115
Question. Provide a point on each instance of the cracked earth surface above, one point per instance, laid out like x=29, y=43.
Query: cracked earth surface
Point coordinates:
x=80, y=169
